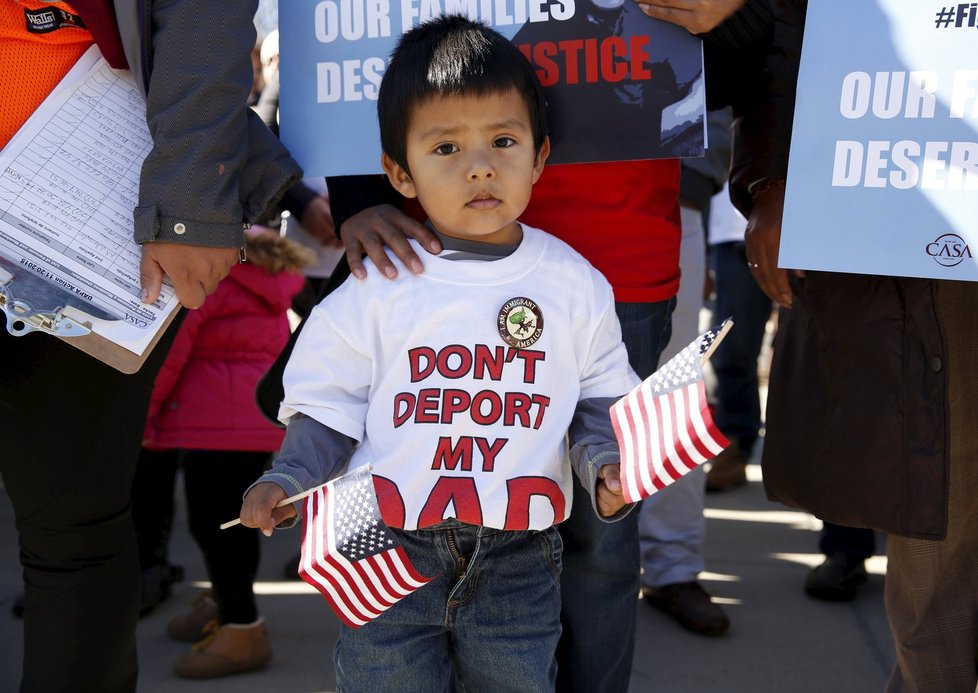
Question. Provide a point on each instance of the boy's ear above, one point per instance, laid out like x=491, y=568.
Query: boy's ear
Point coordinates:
x=398, y=177
x=541, y=159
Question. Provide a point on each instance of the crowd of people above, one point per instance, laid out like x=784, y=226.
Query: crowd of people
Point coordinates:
x=613, y=262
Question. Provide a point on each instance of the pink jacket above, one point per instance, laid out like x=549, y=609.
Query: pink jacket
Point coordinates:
x=204, y=396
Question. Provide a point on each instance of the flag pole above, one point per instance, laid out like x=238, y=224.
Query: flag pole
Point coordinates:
x=290, y=499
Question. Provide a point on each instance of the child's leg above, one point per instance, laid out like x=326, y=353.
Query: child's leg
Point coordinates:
x=215, y=482
x=505, y=612
x=407, y=648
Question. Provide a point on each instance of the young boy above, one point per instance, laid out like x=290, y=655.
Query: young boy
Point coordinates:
x=460, y=385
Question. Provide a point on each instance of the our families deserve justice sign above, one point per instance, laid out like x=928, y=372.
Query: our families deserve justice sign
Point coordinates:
x=883, y=176
x=619, y=85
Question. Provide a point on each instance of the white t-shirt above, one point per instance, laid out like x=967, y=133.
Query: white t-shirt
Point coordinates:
x=726, y=223
x=456, y=419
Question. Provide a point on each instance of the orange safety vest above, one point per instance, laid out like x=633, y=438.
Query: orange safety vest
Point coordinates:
x=39, y=42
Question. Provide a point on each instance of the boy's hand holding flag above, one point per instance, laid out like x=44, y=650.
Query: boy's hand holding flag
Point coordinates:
x=664, y=426
x=348, y=553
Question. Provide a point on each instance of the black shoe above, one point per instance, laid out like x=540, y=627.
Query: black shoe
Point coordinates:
x=690, y=605
x=837, y=579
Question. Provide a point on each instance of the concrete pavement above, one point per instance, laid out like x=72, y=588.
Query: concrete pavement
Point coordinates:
x=757, y=554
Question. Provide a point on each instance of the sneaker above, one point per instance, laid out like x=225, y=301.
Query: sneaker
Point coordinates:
x=690, y=605
x=837, y=579
x=229, y=649
x=727, y=470
x=190, y=627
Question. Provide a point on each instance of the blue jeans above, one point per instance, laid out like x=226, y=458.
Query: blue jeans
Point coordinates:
x=600, y=582
x=490, y=619
x=738, y=406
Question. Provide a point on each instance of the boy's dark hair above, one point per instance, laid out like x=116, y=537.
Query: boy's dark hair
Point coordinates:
x=452, y=56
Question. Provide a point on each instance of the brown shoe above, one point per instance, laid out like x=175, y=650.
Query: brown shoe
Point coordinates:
x=727, y=470
x=190, y=626
x=690, y=605
x=228, y=649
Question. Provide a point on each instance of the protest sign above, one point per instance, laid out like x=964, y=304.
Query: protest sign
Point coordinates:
x=883, y=172
x=619, y=85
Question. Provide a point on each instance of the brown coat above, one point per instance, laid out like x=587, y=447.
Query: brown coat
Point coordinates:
x=857, y=413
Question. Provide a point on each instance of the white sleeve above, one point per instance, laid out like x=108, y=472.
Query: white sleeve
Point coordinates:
x=605, y=371
x=328, y=376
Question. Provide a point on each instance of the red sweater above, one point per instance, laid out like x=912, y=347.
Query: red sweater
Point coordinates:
x=622, y=216
x=204, y=397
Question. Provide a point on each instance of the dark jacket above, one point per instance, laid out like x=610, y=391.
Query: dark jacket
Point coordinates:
x=212, y=179
x=857, y=412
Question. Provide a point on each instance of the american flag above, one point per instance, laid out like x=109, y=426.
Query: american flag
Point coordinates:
x=664, y=426
x=350, y=555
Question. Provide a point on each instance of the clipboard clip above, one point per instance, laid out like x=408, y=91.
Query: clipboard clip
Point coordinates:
x=23, y=318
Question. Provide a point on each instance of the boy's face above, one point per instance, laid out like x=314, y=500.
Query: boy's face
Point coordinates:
x=472, y=164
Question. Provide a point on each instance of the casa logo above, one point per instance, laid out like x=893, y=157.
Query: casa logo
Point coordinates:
x=949, y=250
x=520, y=322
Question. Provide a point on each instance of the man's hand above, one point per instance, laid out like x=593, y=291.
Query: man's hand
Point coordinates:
x=258, y=509
x=377, y=228
x=696, y=16
x=763, y=241
x=194, y=270
x=609, y=492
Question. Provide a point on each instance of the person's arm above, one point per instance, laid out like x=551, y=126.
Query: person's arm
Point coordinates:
x=595, y=457
x=760, y=158
x=368, y=219
x=311, y=454
x=703, y=177
x=214, y=166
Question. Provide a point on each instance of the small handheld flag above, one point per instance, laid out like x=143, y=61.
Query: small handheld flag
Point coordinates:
x=664, y=427
x=350, y=555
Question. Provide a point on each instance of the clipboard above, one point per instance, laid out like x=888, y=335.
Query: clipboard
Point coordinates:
x=30, y=304
x=69, y=181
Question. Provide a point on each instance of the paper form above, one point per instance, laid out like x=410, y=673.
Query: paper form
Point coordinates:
x=69, y=181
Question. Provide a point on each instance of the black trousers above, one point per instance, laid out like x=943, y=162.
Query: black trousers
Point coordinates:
x=214, y=482
x=70, y=432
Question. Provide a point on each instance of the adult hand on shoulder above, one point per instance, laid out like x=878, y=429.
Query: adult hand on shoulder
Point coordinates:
x=377, y=228
x=258, y=509
x=696, y=16
x=609, y=494
x=194, y=270
x=763, y=241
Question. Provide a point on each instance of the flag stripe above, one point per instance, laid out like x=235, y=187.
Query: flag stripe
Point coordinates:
x=668, y=445
x=688, y=455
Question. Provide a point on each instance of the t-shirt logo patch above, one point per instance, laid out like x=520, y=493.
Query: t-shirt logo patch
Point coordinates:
x=520, y=322
x=47, y=19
